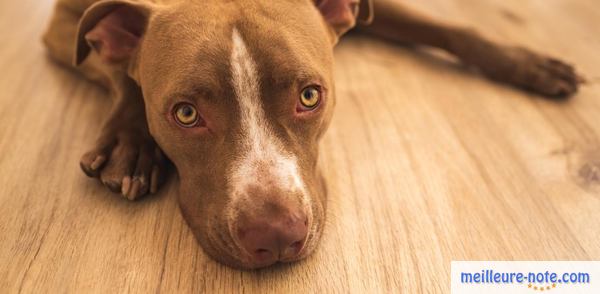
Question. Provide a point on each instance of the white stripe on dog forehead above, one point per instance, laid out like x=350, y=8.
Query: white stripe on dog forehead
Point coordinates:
x=261, y=150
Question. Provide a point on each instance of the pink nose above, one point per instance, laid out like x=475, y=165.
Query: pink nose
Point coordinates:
x=270, y=239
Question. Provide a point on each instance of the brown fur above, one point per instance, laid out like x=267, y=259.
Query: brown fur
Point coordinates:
x=184, y=55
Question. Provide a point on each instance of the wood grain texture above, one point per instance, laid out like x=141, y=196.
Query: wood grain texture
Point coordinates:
x=426, y=163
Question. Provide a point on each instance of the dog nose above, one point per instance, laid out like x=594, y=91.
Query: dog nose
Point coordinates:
x=270, y=239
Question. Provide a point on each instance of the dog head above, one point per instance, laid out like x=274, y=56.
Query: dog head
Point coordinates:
x=237, y=95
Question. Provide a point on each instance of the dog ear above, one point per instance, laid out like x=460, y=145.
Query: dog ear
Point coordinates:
x=341, y=15
x=365, y=12
x=113, y=29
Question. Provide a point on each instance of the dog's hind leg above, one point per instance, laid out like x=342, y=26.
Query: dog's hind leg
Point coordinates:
x=514, y=65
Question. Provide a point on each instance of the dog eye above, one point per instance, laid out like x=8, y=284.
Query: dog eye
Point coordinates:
x=310, y=98
x=186, y=115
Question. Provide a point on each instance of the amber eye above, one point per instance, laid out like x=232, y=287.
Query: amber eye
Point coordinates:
x=310, y=97
x=186, y=115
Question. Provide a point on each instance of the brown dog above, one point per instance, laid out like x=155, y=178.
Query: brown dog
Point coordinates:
x=237, y=94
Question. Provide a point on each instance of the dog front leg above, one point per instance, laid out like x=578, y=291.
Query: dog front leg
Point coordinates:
x=513, y=65
x=125, y=157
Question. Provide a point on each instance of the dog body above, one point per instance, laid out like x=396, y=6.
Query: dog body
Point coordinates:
x=237, y=94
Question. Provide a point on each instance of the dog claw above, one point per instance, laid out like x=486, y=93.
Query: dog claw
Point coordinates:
x=92, y=167
x=100, y=159
x=126, y=185
x=88, y=172
x=144, y=186
x=135, y=189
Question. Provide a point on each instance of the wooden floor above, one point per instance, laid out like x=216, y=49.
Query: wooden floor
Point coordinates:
x=426, y=163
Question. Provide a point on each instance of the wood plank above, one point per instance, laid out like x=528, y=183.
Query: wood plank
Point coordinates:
x=426, y=163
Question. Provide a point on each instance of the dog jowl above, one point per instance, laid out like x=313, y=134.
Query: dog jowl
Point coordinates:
x=237, y=94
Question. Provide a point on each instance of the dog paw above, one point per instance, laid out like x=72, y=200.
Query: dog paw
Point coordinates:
x=534, y=72
x=129, y=164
